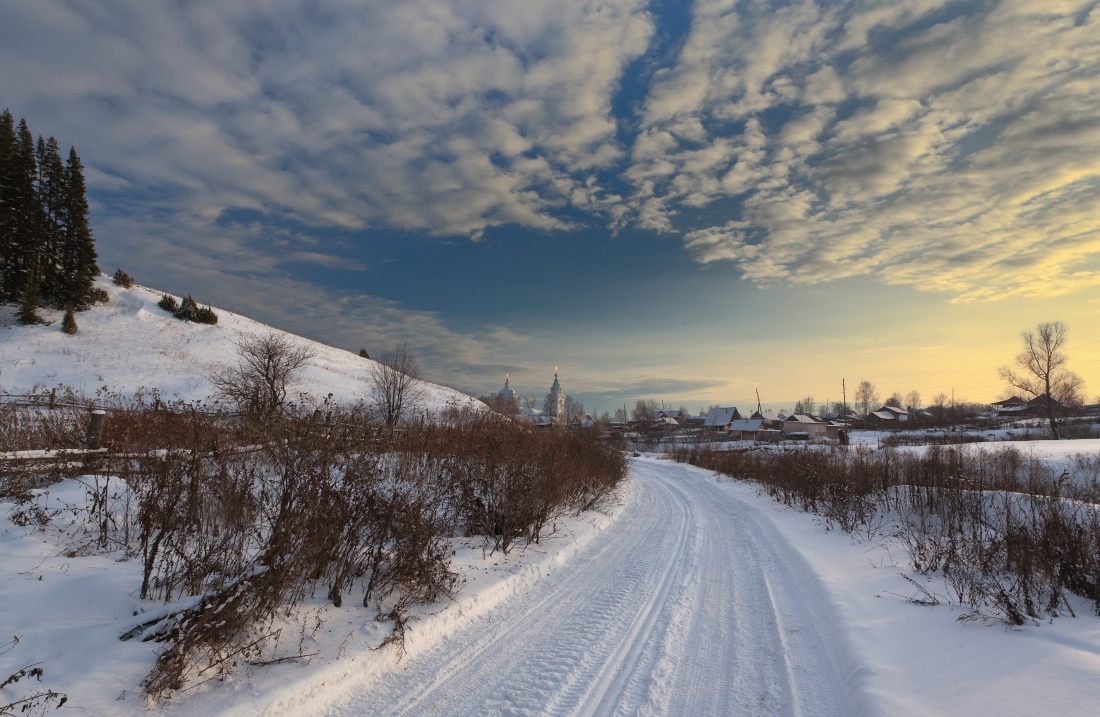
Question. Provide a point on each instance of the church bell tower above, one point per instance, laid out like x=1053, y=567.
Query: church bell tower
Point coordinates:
x=557, y=399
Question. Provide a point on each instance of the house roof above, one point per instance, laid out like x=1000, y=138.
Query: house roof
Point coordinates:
x=1011, y=401
x=884, y=415
x=894, y=410
x=720, y=416
x=801, y=418
x=747, y=424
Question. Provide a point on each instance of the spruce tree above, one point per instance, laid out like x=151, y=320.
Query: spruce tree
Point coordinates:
x=68, y=324
x=51, y=185
x=26, y=212
x=363, y=353
x=29, y=304
x=7, y=232
x=188, y=310
x=78, y=250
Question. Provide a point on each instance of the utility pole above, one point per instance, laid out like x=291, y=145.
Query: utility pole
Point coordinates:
x=844, y=397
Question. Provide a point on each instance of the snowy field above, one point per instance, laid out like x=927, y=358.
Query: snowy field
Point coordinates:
x=130, y=343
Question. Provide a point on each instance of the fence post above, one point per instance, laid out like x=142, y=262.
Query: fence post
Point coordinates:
x=53, y=398
x=95, y=429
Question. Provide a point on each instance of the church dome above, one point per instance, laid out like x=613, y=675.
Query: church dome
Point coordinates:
x=507, y=391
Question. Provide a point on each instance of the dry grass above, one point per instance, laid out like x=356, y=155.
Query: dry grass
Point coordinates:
x=1007, y=532
x=249, y=515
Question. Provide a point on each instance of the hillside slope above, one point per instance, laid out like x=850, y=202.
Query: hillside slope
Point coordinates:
x=130, y=343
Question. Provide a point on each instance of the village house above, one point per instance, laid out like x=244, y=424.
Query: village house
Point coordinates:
x=1010, y=406
x=719, y=419
x=801, y=423
x=745, y=429
x=888, y=414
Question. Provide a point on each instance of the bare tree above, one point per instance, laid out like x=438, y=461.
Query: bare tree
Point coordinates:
x=644, y=410
x=1042, y=369
x=940, y=403
x=912, y=400
x=573, y=408
x=395, y=379
x=895, y=400
x=805, y=406
x=530, y=401
x=866, y=396
x=267, y=367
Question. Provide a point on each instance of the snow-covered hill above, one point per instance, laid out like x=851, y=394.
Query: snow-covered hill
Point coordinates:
x=130, y=343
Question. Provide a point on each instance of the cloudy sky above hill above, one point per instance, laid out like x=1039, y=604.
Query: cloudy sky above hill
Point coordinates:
x=670, y=200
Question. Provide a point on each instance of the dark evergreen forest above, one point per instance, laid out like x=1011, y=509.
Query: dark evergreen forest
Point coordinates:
x=47, y=255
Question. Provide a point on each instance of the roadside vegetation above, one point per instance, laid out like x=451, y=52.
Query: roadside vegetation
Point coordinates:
x=1010, y=534
x=239, y=517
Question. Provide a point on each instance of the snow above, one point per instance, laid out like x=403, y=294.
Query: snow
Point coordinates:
x=69, y=611
x=690, y=596
x=130, y=343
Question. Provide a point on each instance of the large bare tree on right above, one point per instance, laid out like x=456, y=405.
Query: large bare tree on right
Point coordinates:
x=395, y=378
x=1041, y=369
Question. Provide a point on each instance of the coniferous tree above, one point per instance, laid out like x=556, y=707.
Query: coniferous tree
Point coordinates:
x=364, y=354
x=78, y=256
x=68, y=324
x=45, y=238
x=51, y=185
x=29, y=305
x=188, y=310
x=168, y=303
x=26, y=213
x=7, y=231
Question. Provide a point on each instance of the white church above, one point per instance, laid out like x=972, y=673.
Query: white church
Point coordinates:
x=509, y=401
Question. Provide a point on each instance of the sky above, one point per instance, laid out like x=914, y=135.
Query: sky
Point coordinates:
x=679, y=201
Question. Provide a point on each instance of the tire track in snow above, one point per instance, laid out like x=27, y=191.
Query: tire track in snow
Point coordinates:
x=683, y=606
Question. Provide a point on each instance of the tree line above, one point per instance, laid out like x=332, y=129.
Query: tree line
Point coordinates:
x=46, y=249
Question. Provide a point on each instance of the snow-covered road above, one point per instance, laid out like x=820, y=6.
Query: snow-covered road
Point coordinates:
x=689, y=604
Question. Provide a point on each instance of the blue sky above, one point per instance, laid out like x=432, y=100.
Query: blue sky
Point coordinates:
x=670, y=200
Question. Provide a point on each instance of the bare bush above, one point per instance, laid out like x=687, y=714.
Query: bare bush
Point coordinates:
x=1007, y=533
x=268, y=365
x=395, y=381
x=237, y=519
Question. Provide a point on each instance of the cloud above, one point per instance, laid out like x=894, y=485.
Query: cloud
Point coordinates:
x=951, y=147
x=440, y=116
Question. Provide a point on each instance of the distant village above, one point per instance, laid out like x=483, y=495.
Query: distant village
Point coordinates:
x=648, y=422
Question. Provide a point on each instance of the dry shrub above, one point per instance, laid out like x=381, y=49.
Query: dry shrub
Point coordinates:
x=237, y=517
x=1007, y=532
